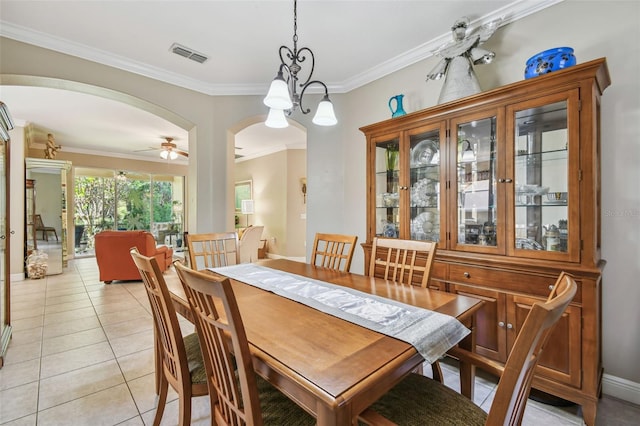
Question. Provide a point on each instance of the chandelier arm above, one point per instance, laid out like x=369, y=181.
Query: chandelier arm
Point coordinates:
x=301, y=58
x=286, y=52
x=326, y=94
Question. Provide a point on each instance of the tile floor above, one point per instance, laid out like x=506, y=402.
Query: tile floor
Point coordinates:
x=82, y=354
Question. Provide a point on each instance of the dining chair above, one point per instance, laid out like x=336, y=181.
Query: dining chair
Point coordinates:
x=334, y=251
x=40, y=226
x=178, y=360
x=213, y=250
x=418, y=400
x=402, y=261
x=249, y=243
x=237, y=395
x=405, y=262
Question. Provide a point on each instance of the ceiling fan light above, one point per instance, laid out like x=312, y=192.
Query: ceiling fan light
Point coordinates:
x=173, y=155
x=164, y=154
x=276, y=119
x=278, y=96
x=325, y=116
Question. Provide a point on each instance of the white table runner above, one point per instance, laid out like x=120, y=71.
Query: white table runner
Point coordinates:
x=431, y=333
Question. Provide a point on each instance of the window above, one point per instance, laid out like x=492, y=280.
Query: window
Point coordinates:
x=126, y=200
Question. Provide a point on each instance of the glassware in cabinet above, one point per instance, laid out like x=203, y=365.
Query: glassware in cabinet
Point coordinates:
x=387, y=189
x=541, y=168
x=424, y=185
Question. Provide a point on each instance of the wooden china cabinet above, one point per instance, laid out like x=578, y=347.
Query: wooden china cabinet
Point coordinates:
x=508, y=183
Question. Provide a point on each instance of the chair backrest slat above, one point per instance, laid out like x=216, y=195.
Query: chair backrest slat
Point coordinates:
x=405, y=261
x=334, y=251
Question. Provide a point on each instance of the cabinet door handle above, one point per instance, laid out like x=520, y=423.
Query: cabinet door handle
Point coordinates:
x=509, y=326
x=467, y=275
x=508, y=180
x=501, y=324
x=404, y=187
x=500, y=180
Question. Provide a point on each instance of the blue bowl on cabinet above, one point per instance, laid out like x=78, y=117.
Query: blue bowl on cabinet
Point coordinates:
x=550, y=60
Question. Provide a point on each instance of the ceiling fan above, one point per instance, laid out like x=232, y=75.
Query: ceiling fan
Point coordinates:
x=168, y=149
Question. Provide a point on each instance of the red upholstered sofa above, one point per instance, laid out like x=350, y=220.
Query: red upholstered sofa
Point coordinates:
x=114, y=259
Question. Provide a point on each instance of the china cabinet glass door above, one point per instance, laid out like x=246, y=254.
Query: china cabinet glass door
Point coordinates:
x=387, y=187
x=542, y=187
x=424, y=185
x=476, y=167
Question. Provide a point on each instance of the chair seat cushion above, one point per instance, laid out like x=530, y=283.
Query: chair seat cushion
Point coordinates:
x=194, y=359
x=279, y=410
x=419, y=400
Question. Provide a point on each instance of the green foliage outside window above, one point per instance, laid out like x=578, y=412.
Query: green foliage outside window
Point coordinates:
x=122, y=203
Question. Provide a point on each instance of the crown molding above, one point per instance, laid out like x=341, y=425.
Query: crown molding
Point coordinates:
x=509, y=14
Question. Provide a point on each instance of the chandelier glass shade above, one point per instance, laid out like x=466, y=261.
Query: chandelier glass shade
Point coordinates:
x=276, y=119
x=283, y=93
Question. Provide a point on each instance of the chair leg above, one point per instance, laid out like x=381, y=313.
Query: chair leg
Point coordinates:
x=157, y=359
x=162, y=401
x=185, y=409
x=437, y=372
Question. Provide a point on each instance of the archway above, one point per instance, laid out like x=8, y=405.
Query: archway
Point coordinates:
x=78, y=89
x=274, y=160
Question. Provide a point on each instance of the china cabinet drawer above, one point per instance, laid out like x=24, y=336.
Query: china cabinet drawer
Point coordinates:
x=515, y=282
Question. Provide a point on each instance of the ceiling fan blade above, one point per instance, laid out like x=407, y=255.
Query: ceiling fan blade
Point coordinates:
x=151, y=148
x=181, y=152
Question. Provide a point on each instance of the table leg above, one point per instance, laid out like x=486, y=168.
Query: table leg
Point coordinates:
x=328, y=416
x=468, y=370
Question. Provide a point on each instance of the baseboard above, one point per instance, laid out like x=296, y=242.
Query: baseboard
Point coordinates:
x=17, y=277
x=620, y=388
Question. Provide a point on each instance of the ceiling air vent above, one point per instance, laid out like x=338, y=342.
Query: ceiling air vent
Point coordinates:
x=188, y=53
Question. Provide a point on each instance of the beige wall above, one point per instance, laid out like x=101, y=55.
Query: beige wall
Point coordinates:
x=278, y=199
x=335, y=166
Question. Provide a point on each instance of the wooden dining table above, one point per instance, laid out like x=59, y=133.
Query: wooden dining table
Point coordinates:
x=331, y=367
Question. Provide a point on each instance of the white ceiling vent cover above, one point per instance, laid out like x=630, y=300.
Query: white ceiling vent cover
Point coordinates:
x=188, y=53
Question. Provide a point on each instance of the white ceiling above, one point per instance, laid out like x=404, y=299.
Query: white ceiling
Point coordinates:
x=354, y=42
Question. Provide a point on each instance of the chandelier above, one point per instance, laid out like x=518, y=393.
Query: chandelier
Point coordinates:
x=283, y=97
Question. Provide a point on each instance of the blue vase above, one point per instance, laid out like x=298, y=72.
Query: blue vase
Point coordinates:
x=399, y=110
